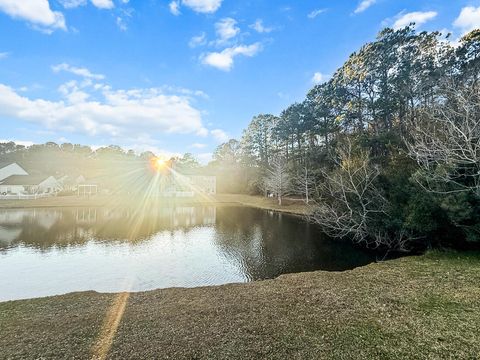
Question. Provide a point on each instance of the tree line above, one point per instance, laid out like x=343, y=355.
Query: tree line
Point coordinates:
x=106, y=164
x=386, y=152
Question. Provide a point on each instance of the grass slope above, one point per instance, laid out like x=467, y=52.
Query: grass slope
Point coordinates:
x=425, y=307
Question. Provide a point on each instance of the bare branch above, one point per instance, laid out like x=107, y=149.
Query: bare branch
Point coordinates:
x=352, y=205
x=445, y=142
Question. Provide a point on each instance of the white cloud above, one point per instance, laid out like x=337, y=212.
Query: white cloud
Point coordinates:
x=103, y=4
x=219, y=135
x=122, y=18
x=70, y=4
x=198, y=146
x=417, y=17
x=224, y=60
x=315, y=13
x=99, y=110
x=122, y=25
x=198, y=40
x=319, y=78
x=4, y=55
x=226, y=29
x=36, y=12
x=174, y=7
x=203, y=6
x=84, y=72
x=364, y=5
x=260, y=28
x=468, y=20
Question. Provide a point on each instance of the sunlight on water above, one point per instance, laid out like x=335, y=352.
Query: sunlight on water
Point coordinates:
x=46, y=252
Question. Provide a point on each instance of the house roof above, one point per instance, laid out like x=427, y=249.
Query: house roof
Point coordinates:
x=4, y=164
x=24, y=180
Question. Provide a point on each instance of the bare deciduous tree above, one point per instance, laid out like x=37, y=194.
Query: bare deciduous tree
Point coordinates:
x=445, y=142
x=351, y=204
x=277, y=180
x=305, y=183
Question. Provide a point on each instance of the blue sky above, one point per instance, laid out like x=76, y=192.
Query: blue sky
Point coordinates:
x=181, y=76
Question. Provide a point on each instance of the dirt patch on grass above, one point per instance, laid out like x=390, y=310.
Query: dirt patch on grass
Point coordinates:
x=420, y=307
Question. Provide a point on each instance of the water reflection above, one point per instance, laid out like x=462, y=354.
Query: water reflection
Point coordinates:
x=44, y=228
x=53, y=251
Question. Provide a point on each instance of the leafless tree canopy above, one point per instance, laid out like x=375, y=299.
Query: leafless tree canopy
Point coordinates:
x=445, y=141
x=351, y=203
x=278, y=179
x=305, y=183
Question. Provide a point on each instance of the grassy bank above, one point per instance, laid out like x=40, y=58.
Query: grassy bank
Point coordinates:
x=417, y=307
x=290, y=206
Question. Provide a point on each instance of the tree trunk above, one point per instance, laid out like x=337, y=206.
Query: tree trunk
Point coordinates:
x=306, y=193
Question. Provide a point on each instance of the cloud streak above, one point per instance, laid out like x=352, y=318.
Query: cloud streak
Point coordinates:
x=417, y=17
x=364, y=5
x=259, y=27
x=315, y=13
x=83, y=72
x=224, y=60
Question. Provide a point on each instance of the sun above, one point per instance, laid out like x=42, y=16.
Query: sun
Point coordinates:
x=159, y=163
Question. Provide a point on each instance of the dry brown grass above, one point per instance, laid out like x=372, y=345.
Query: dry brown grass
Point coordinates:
x=425, y=307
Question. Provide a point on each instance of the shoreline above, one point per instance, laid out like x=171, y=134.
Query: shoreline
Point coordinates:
x=369, y=312
x=294, y=207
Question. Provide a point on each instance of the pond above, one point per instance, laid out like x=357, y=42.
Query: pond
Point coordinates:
x=47, y=252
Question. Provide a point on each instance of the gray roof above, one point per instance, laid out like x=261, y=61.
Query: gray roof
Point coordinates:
x=24, y=180
x=7, y=163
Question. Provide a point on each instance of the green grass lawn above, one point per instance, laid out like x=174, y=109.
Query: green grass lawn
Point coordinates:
x=425, y=307
x=289, y=205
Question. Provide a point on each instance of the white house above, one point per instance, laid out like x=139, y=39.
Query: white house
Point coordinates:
x=29, y=184
x=71, y=182
x=9, y=169
x=203, y=183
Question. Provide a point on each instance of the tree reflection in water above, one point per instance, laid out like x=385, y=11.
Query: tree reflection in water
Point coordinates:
x=54, y=251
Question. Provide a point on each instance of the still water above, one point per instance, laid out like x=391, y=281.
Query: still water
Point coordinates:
x=47, y=252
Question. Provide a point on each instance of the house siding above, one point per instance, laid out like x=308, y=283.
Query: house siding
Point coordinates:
x=49, y=185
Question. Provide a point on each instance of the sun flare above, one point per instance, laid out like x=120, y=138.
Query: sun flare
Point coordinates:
x=159, y=163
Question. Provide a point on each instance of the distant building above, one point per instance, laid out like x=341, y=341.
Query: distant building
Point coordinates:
x=175, y=181
x=29, y=185
x=71, y=182
x=9, y=169
x=204, y=183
